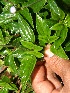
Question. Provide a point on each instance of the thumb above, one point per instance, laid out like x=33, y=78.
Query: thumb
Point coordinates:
x=58, y=65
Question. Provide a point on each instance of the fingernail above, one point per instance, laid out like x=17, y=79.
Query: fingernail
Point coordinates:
x=48, y=53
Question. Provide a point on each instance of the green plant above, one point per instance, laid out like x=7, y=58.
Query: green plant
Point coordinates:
x=24, y=32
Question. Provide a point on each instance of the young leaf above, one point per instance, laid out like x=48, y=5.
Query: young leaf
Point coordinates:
x=61, y=32
x=52, y=38
x=43, y=30
x=59, y=52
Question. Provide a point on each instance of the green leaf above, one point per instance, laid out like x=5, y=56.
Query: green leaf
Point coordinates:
x=26, y=68
x=67, y=20
x=43, y=14
x=43, y=30
x=19, y=52
x=54, y=7
x=58, y=26
x=6, y=18
x=33, y=49
x=67, y=2
x=42, y=27
x=35, y=53
x=31, y=46
x=27, y=15
x=7, y=37
x=16, y=42
x=5, y=79
x=7, y=6
x=50, y=22
x=36, y=5
x=52, y=38
x=7, y=86
x=3, y=90
x=1, y=40
x=67, y=46
x=25, y=30
x=17, y=1
x=61, y=32
x=59, y=52
x=14, y=27
x=9, y=61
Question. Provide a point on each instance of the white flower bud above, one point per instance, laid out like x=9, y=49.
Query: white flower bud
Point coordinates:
x=13, y=9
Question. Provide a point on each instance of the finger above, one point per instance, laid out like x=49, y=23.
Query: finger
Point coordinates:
x=52, y=77
x=39, y=82
x=61, y=67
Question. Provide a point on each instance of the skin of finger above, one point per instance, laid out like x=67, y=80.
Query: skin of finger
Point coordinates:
x=61, y=67
x=52, y=77
x=39, y=84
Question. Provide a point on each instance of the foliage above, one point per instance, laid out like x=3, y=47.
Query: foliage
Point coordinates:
x=23, y=36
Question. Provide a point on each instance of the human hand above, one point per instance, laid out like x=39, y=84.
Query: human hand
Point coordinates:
x=44, y=79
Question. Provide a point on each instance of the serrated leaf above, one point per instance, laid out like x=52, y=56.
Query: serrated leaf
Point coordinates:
x=27, y=15
x=67, y=20
x=17, y=1
x=59, y=52
x=61, y=33
x=3, y=90
x=19, y=52
x=52, y=38
x=54, y=7
x=26, y=68
x=42, y=27
x=35, y=53
x=1, y=40
x=31, y=46
x=6, y=18
x=9, y=61
x=7, y=86
x=43, y=14
x=25, y=30
x=43, y=30
x=36, y=5
x=16, y=42
x=67, y=46
x=50, y=22
x=7, y=37
x=58, y=26
x=14, y=27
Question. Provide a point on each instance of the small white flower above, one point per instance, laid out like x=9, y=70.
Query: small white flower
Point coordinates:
x=13, y=9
